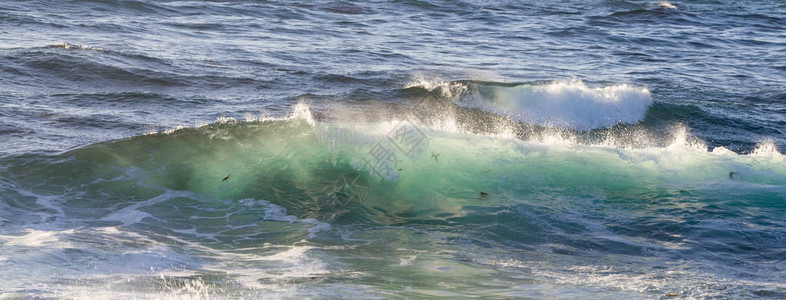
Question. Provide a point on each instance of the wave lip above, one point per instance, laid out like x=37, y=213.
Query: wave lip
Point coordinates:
x=570, y=104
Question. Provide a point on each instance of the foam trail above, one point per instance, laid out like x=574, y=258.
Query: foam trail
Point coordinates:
x=37, y=238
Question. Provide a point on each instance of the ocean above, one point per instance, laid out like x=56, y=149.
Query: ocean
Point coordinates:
x=410, y=149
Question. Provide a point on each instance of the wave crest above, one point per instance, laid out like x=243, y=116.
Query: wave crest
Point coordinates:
x=69, y=46
x=570, y=104
x=447, y=89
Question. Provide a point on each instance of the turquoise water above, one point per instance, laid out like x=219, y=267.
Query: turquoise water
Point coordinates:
x=491, y=216
x=618, y=149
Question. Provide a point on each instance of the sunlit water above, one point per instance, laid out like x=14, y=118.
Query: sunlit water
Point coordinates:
x=178, y=149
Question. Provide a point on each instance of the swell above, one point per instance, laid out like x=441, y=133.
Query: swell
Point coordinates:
x=664, y=13
x=66, y=66
x=133, y=8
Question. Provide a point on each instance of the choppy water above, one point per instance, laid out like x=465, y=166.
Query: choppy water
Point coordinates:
x=231, y=149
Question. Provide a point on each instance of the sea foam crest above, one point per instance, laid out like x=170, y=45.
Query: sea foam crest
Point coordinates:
x=766, y=149
x=300, y=111
x=303, y=112
x=69, y=46
x=667, y=5
x=569, y=104
x=446, y=88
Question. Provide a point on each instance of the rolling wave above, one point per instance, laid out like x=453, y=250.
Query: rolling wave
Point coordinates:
x=296, y=162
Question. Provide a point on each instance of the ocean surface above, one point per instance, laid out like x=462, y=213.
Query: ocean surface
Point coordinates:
x=392, y=149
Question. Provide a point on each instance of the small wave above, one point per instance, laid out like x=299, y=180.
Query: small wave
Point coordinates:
x=123, y=54
x=69, y=46
x=101, y=67
x=446, y=89
x=73, y=68
x=340, y=8
x=663, y=13
x=666, y=4
x=300, y=113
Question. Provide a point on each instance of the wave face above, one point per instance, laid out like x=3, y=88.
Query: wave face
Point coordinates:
x=392, y=149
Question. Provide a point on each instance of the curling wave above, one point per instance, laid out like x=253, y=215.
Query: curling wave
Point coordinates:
x=296, y=161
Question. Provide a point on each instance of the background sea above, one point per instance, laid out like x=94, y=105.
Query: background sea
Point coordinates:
x=392, y=149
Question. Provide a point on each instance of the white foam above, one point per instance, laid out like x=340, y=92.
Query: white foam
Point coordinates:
x=68, y=46
x=278, y=213
x=131, y=214
x=178, y=127
x=301, y=111
x=318, y=226
x=767, y=149
x=684, y=139
x=570, y=104
x=684, y=282
x=446, y=88
x=46, y=201
x=38, y=238
x=225, y=120
x=407, y=261
x=723, y=151
x=666, y=4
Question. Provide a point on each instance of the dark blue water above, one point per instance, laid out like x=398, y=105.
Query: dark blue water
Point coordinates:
x=410, y=149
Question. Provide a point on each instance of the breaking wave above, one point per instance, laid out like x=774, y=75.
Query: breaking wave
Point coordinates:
x=563, y=104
